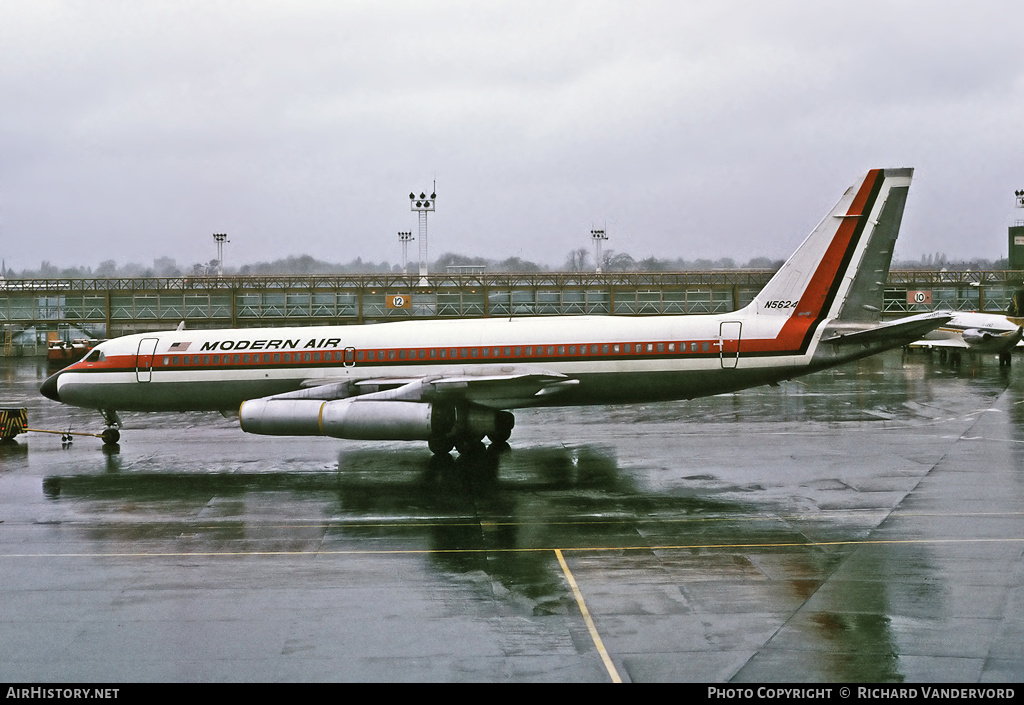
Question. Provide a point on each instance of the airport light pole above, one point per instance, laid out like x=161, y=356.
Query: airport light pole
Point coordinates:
x=599, y=238
x=423, y=204
x=404, y=238
x=221, y=238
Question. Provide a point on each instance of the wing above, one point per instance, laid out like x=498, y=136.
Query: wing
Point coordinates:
x=949, y=343
x=424, y=408
x=499, y=387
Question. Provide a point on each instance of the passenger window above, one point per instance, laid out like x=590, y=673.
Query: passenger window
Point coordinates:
x=206, y=359
x=705, y=346
x=306, y=357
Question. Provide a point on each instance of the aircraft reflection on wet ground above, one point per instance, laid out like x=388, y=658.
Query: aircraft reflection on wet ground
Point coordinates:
x=861, y=525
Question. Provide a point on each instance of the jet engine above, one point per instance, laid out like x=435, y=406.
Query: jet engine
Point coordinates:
x=973, y=336
x=348, y=418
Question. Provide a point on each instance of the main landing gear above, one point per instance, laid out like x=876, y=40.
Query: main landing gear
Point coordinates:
x=468, y=437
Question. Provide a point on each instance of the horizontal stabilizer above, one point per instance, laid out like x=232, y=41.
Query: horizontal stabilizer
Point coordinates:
x=910, y=328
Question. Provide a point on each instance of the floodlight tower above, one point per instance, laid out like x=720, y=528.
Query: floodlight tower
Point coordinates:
x=423, y=204
x=599, y=238
x=404, y=238
x=221, y=238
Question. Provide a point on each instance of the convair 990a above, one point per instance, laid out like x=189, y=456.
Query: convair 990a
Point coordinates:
x=452, y=383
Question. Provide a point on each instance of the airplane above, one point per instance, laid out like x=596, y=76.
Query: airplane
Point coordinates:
x=452, y=383
x=975, y=332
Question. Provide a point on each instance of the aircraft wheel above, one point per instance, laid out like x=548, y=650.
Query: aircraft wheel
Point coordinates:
x=440, y=445
x=468, y=445
x=111, y=436
x=504, y=422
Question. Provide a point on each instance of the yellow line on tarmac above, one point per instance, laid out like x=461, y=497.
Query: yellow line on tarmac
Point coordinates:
x=609, y=666
x=230, y=523
x=421, y=551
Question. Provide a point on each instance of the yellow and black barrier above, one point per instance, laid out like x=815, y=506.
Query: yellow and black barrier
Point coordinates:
x=12, y=423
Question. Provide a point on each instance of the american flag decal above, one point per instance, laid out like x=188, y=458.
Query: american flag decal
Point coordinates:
x=180, y=347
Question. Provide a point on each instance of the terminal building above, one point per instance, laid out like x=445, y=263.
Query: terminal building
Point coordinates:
x=34, y=311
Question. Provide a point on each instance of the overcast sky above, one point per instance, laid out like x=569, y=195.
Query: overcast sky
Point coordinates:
x=133, y=130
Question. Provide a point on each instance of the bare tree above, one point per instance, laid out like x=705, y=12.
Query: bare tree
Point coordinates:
x=577, y=260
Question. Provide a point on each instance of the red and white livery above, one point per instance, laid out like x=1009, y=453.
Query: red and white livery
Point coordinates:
x=453, y=382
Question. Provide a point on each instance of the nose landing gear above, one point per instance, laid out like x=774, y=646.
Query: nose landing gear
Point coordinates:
x=111, y=434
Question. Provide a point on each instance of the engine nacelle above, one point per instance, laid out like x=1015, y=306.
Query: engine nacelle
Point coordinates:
x=281, y=417
x=973, y=336
x=347, y=418
x=386, y=420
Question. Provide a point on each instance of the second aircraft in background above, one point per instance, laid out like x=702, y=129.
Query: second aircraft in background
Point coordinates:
x=977, y=333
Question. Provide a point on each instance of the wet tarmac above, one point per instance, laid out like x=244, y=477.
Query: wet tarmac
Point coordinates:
x=864, y=524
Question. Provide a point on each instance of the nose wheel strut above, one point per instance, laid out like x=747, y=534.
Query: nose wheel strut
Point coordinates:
x=111, y=434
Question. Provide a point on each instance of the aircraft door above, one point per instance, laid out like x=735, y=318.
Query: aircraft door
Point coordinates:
x=729, y=343
x=350, y=357
x=144, y=359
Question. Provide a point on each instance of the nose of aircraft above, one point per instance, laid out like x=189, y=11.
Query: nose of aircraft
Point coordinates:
x=49, y=388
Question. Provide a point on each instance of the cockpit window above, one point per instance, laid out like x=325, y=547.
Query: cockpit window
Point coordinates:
x=95, y=356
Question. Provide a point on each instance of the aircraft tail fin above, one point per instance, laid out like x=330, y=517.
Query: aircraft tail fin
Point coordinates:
x=840, y=269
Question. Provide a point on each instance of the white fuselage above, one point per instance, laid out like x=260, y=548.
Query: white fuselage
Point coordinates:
x=614, y=359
